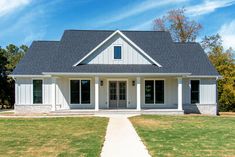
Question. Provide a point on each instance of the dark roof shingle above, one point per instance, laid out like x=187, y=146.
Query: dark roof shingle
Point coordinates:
x=60, y=56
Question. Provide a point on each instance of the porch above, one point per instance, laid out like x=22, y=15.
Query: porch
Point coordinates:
x=141, y=94
x=117, y=112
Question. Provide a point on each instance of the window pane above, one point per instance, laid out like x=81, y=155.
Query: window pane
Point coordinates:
x=74, y=91
x=37, y=91
x=149, y=92
x=113, y=91
x=194, y=91
x=159, y=92
x=85, y=91
x=122, y=90
x=117, y=52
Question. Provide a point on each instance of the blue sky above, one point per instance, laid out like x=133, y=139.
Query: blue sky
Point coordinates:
x=22, y=21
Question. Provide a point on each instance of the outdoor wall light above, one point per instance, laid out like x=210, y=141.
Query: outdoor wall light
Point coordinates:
x=133, y=83
x=101, y=83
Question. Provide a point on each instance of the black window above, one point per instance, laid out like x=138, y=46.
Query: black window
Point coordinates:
x=85, y=91
x=117, y=52
x=194, y=91
x=80, y=92
x=75, y=91
x=149, y=92
x=159, y=92
x=37, y=91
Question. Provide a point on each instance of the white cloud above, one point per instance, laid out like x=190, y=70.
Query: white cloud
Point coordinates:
x=144, y=6
x=227, y=31
x=208, y=6
x=8, y=6
x=143, y=26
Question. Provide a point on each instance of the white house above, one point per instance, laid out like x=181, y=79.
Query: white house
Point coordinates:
x=142, y=71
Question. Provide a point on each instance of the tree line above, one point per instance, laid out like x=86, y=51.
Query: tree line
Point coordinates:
x=182, y=29
x=9, y=58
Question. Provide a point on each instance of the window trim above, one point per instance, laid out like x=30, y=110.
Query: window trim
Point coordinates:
x=42, y=90
x=80, y=100
x=164, y=84
x=190, y=101
x=121, y=52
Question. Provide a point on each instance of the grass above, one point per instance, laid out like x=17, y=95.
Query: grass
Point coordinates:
x=187, y=135
x=71, y=136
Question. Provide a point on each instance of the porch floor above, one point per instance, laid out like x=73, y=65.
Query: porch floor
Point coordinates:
x=117, y=111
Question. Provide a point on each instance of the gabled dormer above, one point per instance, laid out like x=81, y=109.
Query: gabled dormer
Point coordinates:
x=117, y=49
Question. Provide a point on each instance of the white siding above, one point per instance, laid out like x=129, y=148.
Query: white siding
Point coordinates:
x=105, y=54
x=186, y=91
x=24, y=91
x=103, y=94
x=62, y=93
x=207, y=91
x=47, y=91
x=170, y=92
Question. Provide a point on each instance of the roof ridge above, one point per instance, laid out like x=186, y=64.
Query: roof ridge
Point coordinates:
x=191, y=42
x=112, y=30
x=46, y=41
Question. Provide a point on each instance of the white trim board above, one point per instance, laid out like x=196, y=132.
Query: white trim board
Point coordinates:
x=117, y=74
x=125, y=37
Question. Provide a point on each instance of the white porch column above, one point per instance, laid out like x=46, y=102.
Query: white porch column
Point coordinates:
x=97, y=83
x=53, y=93
x=16, y=92
x=180, y=105
x=138, y=108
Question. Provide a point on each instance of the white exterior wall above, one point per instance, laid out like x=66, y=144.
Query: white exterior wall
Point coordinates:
x=24, y=97
x=170, y=93
x=105, y=54
x=207, y=90
x=103, y=90
x=25, y=91
x=63, y=93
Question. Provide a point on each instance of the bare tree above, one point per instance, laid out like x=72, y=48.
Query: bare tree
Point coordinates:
x=181, y=27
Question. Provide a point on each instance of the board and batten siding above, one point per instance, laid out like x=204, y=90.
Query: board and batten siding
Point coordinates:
x=207, y=91
x=105, y=54
x=24, y=91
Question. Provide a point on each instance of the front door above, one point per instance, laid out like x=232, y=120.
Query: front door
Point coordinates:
x=117, y=94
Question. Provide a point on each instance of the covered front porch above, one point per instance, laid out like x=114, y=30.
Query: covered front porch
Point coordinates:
x=115, y=93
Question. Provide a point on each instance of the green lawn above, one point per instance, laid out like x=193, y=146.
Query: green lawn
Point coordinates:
x=74, y=136
x=187, y=135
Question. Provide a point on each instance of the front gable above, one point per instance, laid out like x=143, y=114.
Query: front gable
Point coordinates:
x=104, y=52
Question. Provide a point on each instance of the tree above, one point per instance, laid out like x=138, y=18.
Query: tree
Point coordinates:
x=182, y=29
x=9, y=58
x=3, y=77
x=224, y=64
x=14, y=54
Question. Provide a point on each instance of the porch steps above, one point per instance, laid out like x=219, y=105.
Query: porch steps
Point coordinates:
x=118, y=111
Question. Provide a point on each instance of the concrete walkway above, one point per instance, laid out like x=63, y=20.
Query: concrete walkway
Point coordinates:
x=122, y=140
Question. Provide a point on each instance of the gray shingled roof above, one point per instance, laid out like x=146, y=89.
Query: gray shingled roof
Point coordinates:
x=60, y=56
